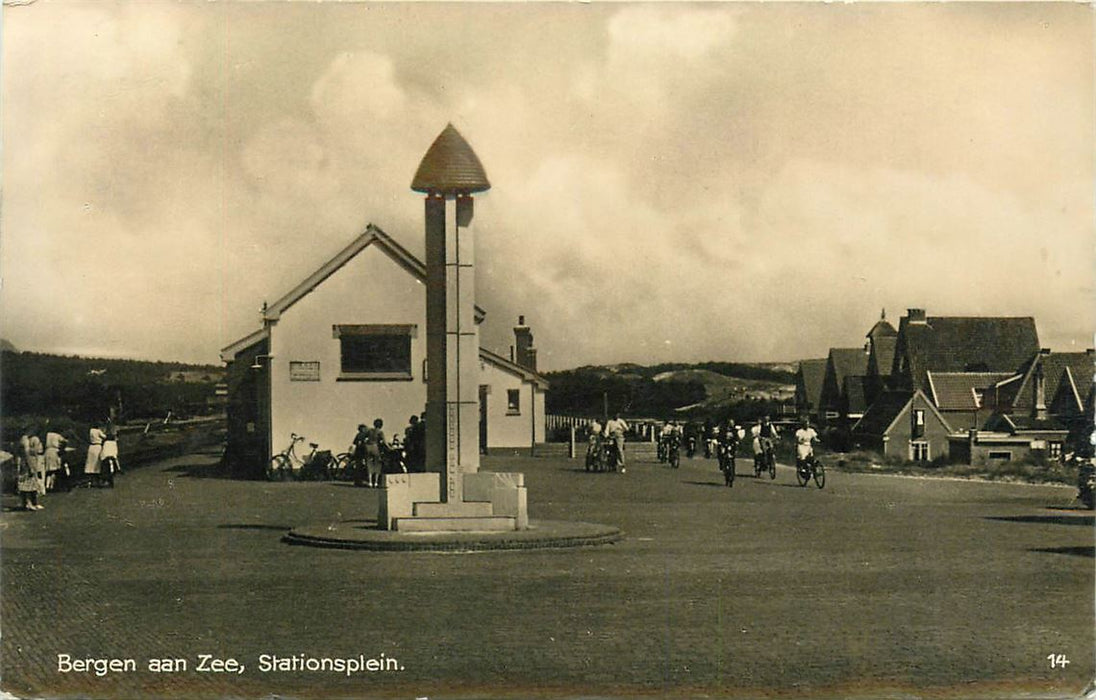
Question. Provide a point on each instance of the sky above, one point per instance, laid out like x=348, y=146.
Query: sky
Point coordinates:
x=670, y=182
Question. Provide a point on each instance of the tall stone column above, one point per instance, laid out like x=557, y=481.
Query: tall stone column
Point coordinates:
x=449, y=174
x=453, y=495
x=452, y=349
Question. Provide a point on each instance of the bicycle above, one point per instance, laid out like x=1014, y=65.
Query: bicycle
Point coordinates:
x=808, y=468
x=283, y=465
x=673, y=452
x=766, y=461
x=726, y=454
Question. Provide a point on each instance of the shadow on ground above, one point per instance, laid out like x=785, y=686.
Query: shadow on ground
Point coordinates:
x=1057, y=519
x=1089, y=552
x=253, y=526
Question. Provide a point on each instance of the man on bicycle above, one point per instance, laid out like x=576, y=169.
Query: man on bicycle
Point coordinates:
x=764, y=434
x=728, y=442
x=615, y=429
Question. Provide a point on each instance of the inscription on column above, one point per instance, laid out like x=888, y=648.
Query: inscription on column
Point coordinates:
x=452, y=451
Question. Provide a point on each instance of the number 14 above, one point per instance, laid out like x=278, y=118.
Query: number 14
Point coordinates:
x=1057, y=660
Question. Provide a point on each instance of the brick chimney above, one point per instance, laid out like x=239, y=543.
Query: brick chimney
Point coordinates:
x=524, y=352
x=917, y=316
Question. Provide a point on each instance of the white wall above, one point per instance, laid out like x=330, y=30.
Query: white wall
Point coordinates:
x=370, y=289
x=503, y=428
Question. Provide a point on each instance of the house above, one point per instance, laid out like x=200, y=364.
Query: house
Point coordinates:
x=844, y=364
x=347, y=345
x=959, y=344
x=903, y=425
x=966, y=399
x=808, y=388
x=881, y=342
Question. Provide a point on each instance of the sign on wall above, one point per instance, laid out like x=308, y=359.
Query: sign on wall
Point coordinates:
x=304, y=371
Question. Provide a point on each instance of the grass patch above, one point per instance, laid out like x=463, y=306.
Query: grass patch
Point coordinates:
x=1018, y=471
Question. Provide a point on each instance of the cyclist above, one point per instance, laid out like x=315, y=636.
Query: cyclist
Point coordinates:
x=764, y=433
x=728, y=442
x=804, y=439
x=615, y=429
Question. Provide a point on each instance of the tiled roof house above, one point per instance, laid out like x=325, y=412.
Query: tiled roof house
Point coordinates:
x=841, y=364
x=808, y=387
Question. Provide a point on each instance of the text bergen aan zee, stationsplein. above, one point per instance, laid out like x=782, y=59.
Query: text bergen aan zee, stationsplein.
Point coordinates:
x=209, y=663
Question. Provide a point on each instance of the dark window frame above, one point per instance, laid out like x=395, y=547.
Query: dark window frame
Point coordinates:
x=375, y=352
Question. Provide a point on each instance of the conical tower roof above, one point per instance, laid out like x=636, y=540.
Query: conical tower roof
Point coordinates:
x=450, y=165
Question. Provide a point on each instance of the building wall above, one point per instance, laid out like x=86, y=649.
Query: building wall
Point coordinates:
x=246, y=411
x=936, y=433
x=328, y=411
x=504, y=428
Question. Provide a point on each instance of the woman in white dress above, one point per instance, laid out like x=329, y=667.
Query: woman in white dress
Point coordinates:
x=96, y=438
x=108, y=457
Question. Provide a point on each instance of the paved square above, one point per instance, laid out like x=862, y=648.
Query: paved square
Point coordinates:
x=873, y=585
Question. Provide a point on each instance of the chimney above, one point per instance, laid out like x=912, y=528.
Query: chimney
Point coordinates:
x=917, y=316
x=525, y=353
x=1039, y=405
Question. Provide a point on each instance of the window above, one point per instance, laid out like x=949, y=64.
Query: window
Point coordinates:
x=918, y=428
x=919, y=451
x=979, y=396
x=374, y=351
x=513, y=402
x=1054, y=450
x=1003, y=455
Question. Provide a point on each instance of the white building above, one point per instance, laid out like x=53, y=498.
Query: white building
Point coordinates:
x=348, y=345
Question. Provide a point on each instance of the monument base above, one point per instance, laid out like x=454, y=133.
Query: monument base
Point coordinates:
x=492, y=502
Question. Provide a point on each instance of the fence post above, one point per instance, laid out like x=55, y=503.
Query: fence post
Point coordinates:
x=571, y=445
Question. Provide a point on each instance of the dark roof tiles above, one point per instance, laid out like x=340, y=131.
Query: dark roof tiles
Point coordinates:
x=449, y=166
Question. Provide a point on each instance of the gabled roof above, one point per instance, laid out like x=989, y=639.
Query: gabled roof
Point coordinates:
x=374, y=236
x=1025, y=424
x=883, y=347
x=882, y=328
x=965, y=344
x=812, y=373
x=882, y=414
x=514, y=368
x=229, y=352
x=1060, y=370
x=856, y=393
x=955, y=391
x=888, y=408
x=848, y=361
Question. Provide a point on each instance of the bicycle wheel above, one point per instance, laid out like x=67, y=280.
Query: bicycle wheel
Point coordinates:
x=802, y=475
x=278, y=469
x=728, y=473
x=772, y=466
x=675, y=458
x=819, y=474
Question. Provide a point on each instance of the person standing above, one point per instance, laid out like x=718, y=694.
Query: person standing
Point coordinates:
x=375, y=451
x=55, y=444
x=27, y=475
x=96, y=438
x=108, y=456
x=359, y=455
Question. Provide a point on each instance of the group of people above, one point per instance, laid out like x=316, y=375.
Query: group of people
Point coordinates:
x=611, y=434
x=764, y=435
x=373, y=455
x=40, y=464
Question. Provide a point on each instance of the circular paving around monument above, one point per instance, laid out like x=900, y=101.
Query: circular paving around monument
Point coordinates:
x=364, y=534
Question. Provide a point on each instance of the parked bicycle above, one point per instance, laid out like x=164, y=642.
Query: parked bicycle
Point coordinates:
x=806, y=469
x=288, y=464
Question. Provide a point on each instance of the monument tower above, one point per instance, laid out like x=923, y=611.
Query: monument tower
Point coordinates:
x=453, y=495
